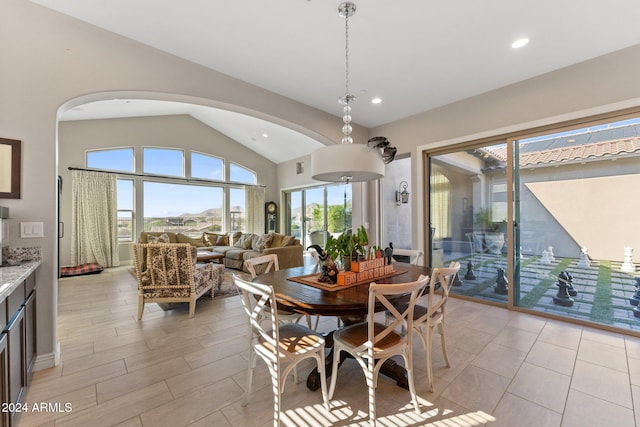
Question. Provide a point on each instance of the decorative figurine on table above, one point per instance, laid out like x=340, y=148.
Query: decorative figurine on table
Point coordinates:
x=328, y=268
x=388, y=253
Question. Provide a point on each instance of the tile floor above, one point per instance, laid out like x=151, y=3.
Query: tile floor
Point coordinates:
x=508, y=369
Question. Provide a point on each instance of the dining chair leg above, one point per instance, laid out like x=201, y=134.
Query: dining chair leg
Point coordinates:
x=252, y=365
x=428, y=345
x=140, y=306
x=323, y=379
x=408, y=362
x=443, y=340
x=371, y=386
x=334, y=370
x=276, y=383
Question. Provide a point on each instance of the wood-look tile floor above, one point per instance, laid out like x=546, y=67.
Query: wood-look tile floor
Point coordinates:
x=508, y=369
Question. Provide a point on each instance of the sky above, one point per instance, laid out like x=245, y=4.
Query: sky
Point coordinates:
x=168, y=199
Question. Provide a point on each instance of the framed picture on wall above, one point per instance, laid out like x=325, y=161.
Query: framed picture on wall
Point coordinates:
x=10, y=161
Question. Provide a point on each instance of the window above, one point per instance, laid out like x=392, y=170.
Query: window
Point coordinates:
x=206, y=167
x=163, y=161
x=182, y=208
x=237, y=209
x=125, y=210
x=239, y=174
x=116, y=159
x=171, y=204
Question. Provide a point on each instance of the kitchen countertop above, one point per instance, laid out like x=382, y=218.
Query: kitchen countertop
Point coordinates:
x=12, y=276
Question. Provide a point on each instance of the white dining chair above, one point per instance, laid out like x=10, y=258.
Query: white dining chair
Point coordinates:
x=271, y=262
x=281, y=346
x=371, y=343
x=414, y=254
x=428, y=319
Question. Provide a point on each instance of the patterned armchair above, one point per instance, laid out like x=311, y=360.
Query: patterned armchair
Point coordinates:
x=171, y=275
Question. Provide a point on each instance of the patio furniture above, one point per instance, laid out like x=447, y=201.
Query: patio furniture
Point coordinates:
x=279, y=344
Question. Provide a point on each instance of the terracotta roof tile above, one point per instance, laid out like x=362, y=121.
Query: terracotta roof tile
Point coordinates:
x=576, y=152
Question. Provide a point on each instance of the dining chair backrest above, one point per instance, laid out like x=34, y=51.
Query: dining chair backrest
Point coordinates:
x=442, y=279
x=379, y=294
x=270, y=260
x=414, y=254
x=258, y=300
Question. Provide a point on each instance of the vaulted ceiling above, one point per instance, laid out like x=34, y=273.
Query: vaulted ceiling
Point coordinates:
x=414, y=55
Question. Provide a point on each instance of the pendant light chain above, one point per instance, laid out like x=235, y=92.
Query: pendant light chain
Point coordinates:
x=346, y=10
x=346, y=57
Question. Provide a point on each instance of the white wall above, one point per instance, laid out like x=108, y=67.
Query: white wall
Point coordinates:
x=50, y=60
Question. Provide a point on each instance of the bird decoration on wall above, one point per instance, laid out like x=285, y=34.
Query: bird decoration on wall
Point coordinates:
x=328, y=268
x=388, y=252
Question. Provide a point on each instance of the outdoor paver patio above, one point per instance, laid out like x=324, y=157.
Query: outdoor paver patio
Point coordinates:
x=603, y=290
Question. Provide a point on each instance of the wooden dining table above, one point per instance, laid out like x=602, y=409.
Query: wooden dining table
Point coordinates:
x=349, y=303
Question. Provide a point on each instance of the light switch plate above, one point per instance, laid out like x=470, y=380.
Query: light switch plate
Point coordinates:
x=30, y=230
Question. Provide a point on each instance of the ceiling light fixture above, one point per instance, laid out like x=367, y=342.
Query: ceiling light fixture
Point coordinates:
x=376, y=101
x=519, y=43
x=348, y=162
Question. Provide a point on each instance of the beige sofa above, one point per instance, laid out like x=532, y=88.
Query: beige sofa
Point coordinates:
x=240, y=246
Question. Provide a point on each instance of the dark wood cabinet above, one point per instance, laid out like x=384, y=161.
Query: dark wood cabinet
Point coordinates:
x=30, y=333
x=17, y=347
x=17, y=366
x=4, y=378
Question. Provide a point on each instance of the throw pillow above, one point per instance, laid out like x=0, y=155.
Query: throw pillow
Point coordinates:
x=163, y=238
x=288, y=240
x=264, y=242
x=193, y=241
x=216, y=239
x=244, y=242
x=235, y=237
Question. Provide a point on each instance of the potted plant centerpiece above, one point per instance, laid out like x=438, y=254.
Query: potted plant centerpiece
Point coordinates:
x=348, y=246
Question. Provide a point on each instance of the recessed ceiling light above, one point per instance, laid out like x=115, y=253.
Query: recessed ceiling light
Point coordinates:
x=264, y=135
x=519, y=43
x=376, y=100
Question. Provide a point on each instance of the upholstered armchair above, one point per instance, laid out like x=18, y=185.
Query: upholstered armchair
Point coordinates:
x=171, y=275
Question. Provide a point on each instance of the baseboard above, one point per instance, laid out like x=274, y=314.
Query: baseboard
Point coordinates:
x=46, y=361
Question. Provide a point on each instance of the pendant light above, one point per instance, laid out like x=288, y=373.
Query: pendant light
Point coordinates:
x=349, y=162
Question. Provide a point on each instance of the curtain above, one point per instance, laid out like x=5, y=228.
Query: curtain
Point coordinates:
x=255, y=209
x=440, y=205
x=94, y=236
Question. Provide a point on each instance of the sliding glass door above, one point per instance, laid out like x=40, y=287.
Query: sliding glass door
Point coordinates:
x=546, y=221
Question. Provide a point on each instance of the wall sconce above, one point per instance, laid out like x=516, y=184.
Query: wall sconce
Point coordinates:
x=402, y=195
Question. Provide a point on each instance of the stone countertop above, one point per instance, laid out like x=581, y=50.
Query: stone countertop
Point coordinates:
x=12, y=276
